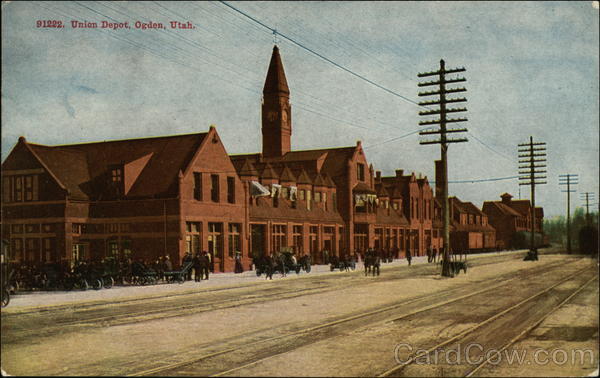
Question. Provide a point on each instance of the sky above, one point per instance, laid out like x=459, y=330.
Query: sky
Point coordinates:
x=532, y=69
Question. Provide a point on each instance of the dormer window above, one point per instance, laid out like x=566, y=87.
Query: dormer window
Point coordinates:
x=117, y=179
x=360, y=171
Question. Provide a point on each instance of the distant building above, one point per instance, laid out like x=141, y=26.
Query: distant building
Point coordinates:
x=469, y=228
x=510, y=217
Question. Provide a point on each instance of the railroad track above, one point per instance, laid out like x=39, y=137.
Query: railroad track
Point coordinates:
x=457, y=339
x=163, y=309
x=272, y=346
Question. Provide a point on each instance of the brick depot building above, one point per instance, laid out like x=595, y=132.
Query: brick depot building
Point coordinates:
x=152, y=197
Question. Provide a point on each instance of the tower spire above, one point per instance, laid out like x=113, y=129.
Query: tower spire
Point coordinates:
x=276, y=110
x=276, y=82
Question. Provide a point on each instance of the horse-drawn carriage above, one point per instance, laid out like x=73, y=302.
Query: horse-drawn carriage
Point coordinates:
x=283, y=263
x=143, y=275
x=178, y=275
x=345, y=263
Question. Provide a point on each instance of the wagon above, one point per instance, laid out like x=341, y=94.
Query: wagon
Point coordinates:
x=143, y=275
x=178, y=275
x=341, y=264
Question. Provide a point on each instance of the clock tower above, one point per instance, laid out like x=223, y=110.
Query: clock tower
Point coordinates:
x=276, y=110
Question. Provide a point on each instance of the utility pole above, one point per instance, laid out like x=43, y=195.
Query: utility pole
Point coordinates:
x=532, y=153
x=568, y=180
x=587, y=196
x=443, y=141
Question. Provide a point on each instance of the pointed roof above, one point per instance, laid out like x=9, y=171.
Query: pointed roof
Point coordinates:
x=328, y=181
x=276, y=81
x=303, y=178
x=268, y=172
x=287, y=175
x=381, y=191
x=248, y=169
x=319, y=181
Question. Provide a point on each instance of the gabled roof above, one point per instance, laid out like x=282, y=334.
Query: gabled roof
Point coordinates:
x=287, y=175
x=318, y=181
x=381, y=190
x=503, y=208
x=82, y=167
x=361, y=187
x=303, y=178
x=248, y=169
x=522, y=206
x=268, y=172
x=328, y=181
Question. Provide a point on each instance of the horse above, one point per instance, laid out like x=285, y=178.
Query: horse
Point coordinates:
x=305, y=263
x=372, y=263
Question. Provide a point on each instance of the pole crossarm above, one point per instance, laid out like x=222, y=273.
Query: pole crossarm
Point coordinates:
x=438, y=111
x=435, y=93
x=438, y=121
x=430, y=83
x=440, y=72
x=446, y=101
x=428, y=132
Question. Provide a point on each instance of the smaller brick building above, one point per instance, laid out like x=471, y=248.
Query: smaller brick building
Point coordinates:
x=510, y=217
x=469, y=228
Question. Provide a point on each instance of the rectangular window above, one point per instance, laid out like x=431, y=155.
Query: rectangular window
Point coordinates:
x=235, y=244
x=298, y=239
x=285, y=192
x=231, y=189
x=334, y=201
x=32, y=228
x=48, y=249
x=215, y=239
x=17, y=246
x=198, y=186
x=317, y=196
x=193, y=240
x=214, y=188
x=16, y=229
x=302, y=194
x=116, y=179
x=308, y=199
x=360, y=171
x=279, y=239
x=18, y=189
x=6, y=190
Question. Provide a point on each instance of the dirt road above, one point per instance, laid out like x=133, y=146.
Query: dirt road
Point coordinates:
x=330, y=324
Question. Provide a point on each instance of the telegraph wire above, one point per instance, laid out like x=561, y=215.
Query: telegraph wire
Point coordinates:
x=321, y=56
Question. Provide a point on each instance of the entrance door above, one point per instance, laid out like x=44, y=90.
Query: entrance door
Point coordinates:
x=258, y=240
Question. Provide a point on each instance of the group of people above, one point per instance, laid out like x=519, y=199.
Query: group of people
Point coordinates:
x=201, y=263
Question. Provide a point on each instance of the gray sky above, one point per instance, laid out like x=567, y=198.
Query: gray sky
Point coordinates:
x=532, y=70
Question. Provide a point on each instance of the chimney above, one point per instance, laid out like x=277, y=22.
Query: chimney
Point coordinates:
x=438, y=178
x=378, y=175
x=399, y=172
x=506, y=198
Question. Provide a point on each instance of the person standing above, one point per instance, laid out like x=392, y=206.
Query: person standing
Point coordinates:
x=197, y=267
x=205, y=262
x=408, y=256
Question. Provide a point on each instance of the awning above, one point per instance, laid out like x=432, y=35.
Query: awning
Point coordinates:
x=257, y=190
